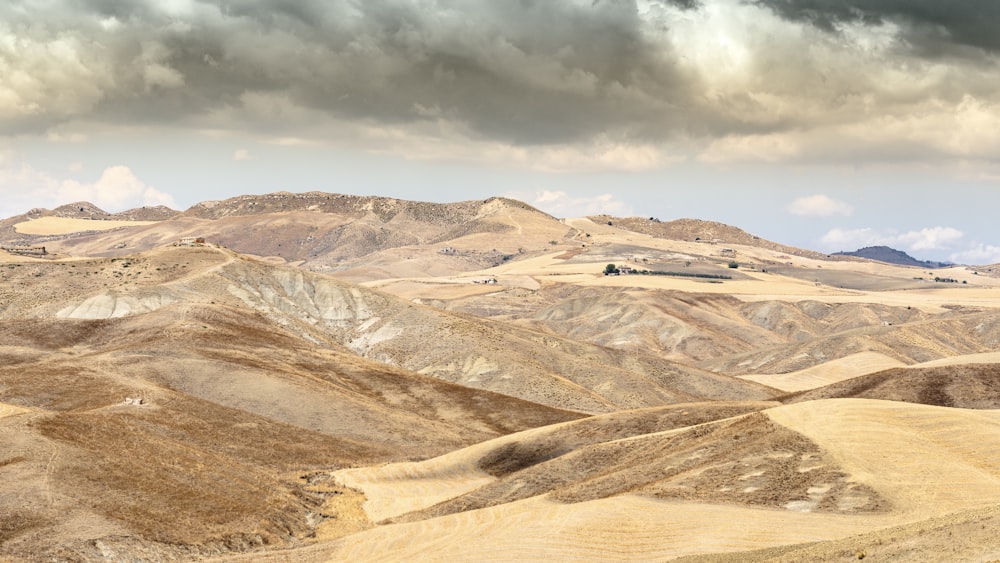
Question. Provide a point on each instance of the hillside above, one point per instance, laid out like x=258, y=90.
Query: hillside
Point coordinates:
x=914, y=342
x=974, y=386
x=473, y=352
x=189, y=424
x=89, y=218
x=706, y=232
x=333, y=377
x=358, y=236
x=891, y=256
x=826, y=480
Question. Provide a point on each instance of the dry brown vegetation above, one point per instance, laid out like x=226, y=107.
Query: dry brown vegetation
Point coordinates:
x=974, y=386
x=235, y=411
x=340, y=384
x=742, y=460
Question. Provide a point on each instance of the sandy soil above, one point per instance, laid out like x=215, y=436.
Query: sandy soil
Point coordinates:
x=66, y=225
x=857, y=365
x=399, y=488
x=620, y=528
x=833, y=371
x=10, y=410
x=984, y=358
x=926, y=460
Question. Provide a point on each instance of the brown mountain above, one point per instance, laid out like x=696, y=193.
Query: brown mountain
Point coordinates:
x=701, y=231
x=78, y=210
x=370, y=236
x=973, y=386
x=381, y=380
x=176, y=421
x=892, y=256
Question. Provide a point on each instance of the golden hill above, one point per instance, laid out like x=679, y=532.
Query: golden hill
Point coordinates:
x=336, y=377
x=826, y=480
x=190, y=423
x=320, y=231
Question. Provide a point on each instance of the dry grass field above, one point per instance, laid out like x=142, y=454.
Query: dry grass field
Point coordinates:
x=339, y=378
x=65, y=225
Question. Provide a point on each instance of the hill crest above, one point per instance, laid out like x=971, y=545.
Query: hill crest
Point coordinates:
x=892, y=256
x=385, y=208
x=699, y=230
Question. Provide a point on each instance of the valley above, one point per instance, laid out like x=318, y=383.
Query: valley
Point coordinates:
x=320, y=377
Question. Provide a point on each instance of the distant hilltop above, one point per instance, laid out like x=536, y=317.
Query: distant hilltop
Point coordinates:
x=385, y=208
x=892, y=256
x=698, y=230
x=87, y=210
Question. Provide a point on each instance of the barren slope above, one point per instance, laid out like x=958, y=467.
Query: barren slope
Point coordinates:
x=193, y=401
x=523, y=363
x=953, y=334
x=972, y=386
x=708, y=232
x=398, y=489
x=846, y=472
x=195, y=425
x=828, y=373
x=690, y=327
x=362, y=237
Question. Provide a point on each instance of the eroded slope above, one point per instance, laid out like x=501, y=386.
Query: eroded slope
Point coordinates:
x=199, y=425
x=840, y=468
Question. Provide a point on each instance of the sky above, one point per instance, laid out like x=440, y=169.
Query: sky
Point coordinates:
x=824, y=124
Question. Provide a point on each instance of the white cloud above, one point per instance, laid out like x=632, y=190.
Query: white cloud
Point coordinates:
x=51, y=77
x=932, y=238
x=58, y=135
x=818, y=206
x=977, y=254
x=117, y=189
x=561, y=204
x=25, y=187
x=241, y=154
x=452, y=141
x=850, y=239
x=929, y=238
x=733, y=80
x=773, y=147
x=547, y=196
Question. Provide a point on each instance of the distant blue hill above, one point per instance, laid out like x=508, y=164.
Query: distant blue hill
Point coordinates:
x=892, y=256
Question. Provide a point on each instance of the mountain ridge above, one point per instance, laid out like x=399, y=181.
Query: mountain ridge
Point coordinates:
x=699, y=230
x=322, y=377
x=892, y=256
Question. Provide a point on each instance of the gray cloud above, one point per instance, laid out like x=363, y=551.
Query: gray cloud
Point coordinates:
x=523, y=72
x=933, y=27
x=745, y=78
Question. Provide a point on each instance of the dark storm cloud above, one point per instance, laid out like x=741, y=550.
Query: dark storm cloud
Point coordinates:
x=933, y=27
x=520, y=71
x=584, y=73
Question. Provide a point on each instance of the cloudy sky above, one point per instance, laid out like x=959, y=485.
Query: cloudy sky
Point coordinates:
x=827, y=124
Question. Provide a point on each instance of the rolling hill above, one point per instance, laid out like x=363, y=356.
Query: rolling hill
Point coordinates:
x=891, y=256
x=333, y=377
x=318, y=231
x=187, y=423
